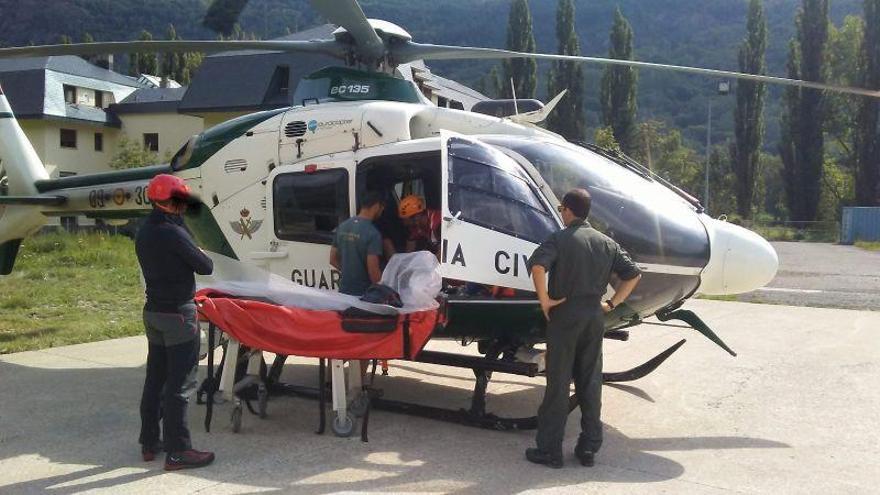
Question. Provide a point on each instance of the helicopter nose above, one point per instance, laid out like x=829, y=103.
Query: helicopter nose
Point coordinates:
x=740, y=260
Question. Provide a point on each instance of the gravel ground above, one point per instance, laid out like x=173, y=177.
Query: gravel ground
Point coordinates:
x=823, y=275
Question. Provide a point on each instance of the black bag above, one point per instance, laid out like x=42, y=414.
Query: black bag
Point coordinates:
x=356, y=320
x=382, y=294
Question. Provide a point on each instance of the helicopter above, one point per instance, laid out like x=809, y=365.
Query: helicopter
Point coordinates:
x=273, y=185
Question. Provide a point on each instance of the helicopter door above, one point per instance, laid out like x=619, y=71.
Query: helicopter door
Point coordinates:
x=307, y=205
x=494, y=215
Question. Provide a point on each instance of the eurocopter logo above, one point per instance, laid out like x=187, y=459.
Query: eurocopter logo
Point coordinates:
x=315, y=126
x=246, y=226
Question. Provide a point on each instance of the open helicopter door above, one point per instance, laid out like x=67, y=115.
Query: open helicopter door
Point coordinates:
x=494, y=215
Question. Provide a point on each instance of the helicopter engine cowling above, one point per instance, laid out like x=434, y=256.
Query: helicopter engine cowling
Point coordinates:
x=740, y=260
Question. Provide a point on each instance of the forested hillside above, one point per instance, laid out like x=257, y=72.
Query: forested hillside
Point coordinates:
x=689, y=32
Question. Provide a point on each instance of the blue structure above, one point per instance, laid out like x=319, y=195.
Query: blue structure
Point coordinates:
x=860, y=223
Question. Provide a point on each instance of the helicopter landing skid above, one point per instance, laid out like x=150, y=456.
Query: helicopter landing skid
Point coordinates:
x=482, y=367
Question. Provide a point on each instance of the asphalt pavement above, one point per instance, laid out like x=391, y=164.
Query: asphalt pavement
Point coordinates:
x=823, y=275
x=795, y=412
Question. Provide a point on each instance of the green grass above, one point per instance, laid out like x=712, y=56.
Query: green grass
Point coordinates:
x=783, y=233
x=725, y=297
x=67, y=289
x=870, y=246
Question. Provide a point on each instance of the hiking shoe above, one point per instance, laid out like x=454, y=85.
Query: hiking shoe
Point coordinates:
x=149, y=452
x=587, y=457
x=188, y=459
x=539, y=456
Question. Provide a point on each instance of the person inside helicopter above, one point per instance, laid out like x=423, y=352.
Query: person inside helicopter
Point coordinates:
x=422, y=223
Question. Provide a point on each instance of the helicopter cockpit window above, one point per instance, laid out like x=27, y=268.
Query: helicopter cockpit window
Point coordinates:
x=491, y=190
x=309, y=206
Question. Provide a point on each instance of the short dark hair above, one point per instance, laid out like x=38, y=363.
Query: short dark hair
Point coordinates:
x=578, y=201
x=371, y=198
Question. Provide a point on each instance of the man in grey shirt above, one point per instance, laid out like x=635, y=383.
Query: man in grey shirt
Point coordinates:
x=580, y=260
x=357, y=246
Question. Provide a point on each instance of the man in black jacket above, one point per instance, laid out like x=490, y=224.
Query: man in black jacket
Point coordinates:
x=168, y=258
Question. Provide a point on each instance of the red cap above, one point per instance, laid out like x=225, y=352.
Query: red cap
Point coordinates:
x=164, y=187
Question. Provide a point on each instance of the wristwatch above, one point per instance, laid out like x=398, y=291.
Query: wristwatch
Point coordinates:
x=609, y=303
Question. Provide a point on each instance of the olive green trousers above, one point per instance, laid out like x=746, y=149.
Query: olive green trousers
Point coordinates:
x=574, y=353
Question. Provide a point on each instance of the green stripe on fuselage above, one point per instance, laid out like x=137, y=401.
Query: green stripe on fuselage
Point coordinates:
x=212, y=140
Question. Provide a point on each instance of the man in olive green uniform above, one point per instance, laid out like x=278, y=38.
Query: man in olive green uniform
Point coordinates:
x=580, y=260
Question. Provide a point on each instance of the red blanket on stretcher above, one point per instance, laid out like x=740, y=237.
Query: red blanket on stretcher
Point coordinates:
x=302, y=332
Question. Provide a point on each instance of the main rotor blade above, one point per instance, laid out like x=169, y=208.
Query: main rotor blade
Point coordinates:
x=327, y=47
x=419, y=51
x=348, y=14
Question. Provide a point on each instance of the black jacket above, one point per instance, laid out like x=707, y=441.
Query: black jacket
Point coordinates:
x=168, y=257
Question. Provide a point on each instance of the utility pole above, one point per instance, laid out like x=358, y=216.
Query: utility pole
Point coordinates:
x=723, y=89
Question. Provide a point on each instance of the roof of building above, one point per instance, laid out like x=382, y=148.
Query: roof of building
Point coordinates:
x=150, y=100
x=34, y=86
x=67, y=64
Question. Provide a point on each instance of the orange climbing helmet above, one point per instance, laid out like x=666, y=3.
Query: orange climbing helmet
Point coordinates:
x=410, y=206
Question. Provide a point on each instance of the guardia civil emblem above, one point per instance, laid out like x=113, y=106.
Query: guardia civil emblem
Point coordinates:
x=246, y=226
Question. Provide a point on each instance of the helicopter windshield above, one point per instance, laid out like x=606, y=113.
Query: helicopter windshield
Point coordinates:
x=651, y=221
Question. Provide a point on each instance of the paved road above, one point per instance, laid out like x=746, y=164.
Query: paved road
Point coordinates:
x=794, y=413
x=823, y=275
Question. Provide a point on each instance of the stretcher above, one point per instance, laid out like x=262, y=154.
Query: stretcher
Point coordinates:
x=250, y=327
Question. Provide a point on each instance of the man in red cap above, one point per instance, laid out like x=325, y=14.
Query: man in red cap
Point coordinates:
x=168, y=258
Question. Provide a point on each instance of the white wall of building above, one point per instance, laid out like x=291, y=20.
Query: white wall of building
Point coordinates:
x=174, y=129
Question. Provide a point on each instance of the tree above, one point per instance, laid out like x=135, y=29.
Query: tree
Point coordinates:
x=604, y=137
x=618, y=93
x=841, y=126
x=64, y=40
x=223, y=15
x=665, y=150
x=748, y=116
x=569, y=118
x=523, y=71
x=802, y=145
x=131, y=154
x=867, y=138
x=144, y=63
x=171, y=61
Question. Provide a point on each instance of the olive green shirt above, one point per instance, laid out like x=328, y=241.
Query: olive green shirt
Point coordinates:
x=580, y=260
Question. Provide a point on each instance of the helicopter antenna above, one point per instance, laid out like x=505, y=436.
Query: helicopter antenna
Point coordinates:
x=513, y=92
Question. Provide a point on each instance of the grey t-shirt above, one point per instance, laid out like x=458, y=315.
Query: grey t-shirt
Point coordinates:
x=355, y=239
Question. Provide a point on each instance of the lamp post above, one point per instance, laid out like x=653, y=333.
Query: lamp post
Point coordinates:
x=723, y=89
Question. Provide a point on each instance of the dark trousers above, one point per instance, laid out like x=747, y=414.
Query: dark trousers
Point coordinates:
x=172, y=363
x=574, y=351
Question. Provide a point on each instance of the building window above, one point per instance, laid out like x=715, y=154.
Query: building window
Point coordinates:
x=68, y=138
x=99, y=141
x=70, y=94
x=309, y=206
x=99, y=99
x=151, y=141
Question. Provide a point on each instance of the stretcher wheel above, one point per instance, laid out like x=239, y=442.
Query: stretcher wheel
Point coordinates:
x=236, y=419
x=262, y=401
x=343, y=427
x=359, y=405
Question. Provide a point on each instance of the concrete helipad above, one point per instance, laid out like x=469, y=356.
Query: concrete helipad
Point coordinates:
x=796, y=412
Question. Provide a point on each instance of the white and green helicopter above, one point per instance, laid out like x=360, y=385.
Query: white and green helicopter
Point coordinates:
x=274, y=185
